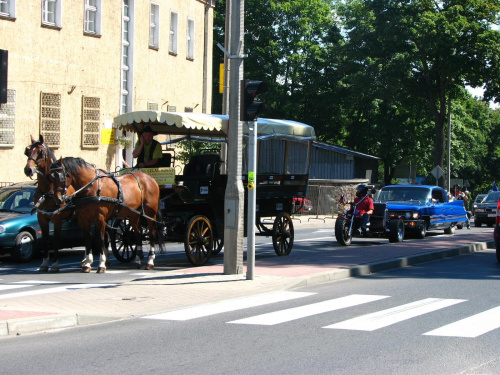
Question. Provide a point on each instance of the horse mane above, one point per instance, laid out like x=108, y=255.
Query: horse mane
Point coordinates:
x=52, y=156
x=73, y=165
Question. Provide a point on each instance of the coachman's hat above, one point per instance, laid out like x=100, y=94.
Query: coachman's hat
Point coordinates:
x=148, y=129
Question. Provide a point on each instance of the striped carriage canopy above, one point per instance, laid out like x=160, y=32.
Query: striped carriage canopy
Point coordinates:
x=208, y=125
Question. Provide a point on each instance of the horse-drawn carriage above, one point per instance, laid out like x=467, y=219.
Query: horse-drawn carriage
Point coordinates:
x=192, y=200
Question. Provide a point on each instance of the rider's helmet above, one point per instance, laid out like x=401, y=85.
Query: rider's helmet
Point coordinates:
x=361, y=190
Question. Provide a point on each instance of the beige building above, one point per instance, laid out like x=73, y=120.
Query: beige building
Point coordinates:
x=73, y=65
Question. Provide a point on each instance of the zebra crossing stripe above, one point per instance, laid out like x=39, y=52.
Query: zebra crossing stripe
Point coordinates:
x=384, y=318
x=229, y=305
x=56, y=289
x=472, y=326
x=295, y=313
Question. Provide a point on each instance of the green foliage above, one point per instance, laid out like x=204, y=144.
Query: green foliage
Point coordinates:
x=377, y=76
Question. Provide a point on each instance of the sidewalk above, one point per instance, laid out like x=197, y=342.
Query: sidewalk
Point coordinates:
x=173, y=290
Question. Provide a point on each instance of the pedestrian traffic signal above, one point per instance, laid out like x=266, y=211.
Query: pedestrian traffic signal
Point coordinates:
x=251, y=108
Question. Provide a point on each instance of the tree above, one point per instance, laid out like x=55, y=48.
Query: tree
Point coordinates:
x=442, y=46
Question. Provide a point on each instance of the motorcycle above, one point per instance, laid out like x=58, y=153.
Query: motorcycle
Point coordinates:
x=348, y=224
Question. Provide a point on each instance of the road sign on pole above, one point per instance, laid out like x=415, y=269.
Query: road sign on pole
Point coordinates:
x=437, y=172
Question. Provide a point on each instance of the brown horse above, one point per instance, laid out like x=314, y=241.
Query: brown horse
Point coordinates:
x=40, y=157
x=100, y=196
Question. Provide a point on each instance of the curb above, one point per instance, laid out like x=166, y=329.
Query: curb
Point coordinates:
x=14, y=327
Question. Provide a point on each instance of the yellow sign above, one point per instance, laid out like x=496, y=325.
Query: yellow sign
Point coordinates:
x=108, y=136
x=221, y=78
x=251, y=186
x=163, y=176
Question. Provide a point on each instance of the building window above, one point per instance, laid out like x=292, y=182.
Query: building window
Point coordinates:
x=52, y=13
x=92, y=17
x=8, y=8
x=154, y=26
x=50, y=118
x=190, y=39
x=173, y=33
x=7, y=117
x=91, y=118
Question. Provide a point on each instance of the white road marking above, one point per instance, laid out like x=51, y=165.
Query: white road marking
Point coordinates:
x=472, y=326
x=295, y=313
x=228, y=305
x=384, y=318
x=53, y=290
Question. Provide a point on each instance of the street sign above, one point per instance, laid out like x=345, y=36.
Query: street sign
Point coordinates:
x=437, y=172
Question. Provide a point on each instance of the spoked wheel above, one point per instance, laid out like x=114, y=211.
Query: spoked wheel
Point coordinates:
x=218, y=245
x=199, y=240
x=342, y=235
x=123, y=241
x=283, y=234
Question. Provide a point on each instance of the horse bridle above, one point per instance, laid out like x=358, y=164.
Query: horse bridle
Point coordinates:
x=42, y=154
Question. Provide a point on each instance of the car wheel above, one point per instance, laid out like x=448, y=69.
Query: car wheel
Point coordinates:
x=422, y=232
x=450, y=230
x=477, y=223
x=25, y=247
x=498, y=254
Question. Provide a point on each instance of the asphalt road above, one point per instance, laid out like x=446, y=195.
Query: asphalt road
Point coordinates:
x=439, y=317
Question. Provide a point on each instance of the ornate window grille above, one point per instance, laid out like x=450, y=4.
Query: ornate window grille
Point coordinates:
x=7, y=120
x=91, y=119
x=50, y=118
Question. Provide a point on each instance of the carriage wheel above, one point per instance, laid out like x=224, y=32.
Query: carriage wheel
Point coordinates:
x=218, y=245
x=199, y=240
x=123, y=243
x=283, y=234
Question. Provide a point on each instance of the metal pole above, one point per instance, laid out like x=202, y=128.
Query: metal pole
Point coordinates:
x=252, y=197
x=449, y=148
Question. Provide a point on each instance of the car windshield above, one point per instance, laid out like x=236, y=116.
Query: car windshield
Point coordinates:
x=403, y=194
x=492, y=197
x=19, y=200
x=480, y=198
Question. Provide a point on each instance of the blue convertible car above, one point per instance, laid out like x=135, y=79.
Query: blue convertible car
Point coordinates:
x=423, y=208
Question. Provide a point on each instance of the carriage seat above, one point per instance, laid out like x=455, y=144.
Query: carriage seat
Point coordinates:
x=204, y=166
x=166, y=160
x=379, y=217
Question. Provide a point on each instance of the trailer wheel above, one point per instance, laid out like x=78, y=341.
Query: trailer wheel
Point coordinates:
x=283, y=234
x=218, y=245
x=342, y=227
x=122, y=239
x=199, y=240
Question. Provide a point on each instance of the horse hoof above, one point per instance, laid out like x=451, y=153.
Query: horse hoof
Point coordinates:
x=54, y=269
x=101, y=270
x=85, y=269
x=43, y=269
x=149, y=267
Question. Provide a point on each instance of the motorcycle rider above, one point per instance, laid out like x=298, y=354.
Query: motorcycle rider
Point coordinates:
x=364, y=206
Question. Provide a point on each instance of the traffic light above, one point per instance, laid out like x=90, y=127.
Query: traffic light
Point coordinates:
x=4, y=56
x=250, y=108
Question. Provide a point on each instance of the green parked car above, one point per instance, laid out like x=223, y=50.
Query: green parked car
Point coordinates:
x=20, y=234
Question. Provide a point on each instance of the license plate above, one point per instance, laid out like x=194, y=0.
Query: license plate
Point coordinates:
x=492, y=215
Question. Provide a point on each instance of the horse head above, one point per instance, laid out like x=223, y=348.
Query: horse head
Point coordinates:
x=40, y=156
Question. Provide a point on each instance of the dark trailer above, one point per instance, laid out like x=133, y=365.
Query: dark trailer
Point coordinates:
x=192, y=200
